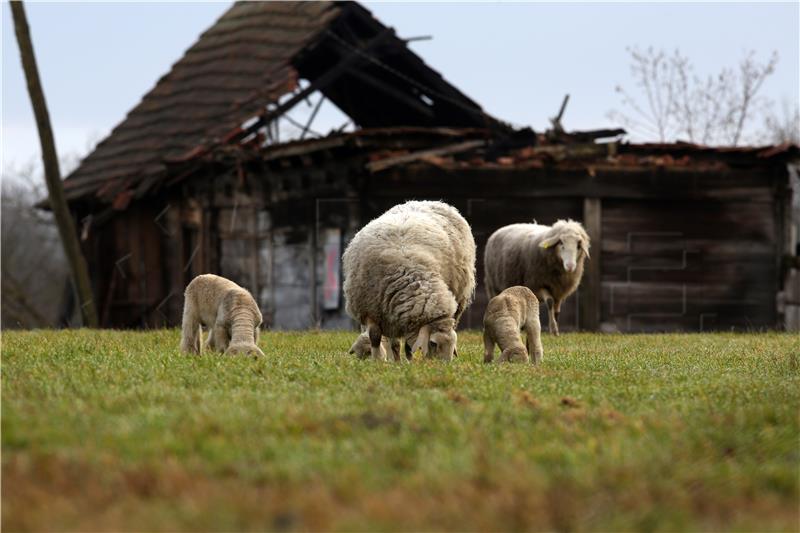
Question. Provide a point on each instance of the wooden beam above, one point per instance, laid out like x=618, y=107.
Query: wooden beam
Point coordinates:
x=591, y=286
x=52, y=173
x=382, y=164
x=318, y=84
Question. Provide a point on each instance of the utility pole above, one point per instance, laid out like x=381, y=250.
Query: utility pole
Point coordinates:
x=52, y=174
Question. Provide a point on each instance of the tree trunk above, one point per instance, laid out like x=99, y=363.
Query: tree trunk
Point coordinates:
x=55, y=189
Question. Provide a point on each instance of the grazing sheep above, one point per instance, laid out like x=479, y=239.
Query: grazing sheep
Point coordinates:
x=410, y=273
x=362, y=349
x=227, y=310
x=513, y=310
x=546, y=259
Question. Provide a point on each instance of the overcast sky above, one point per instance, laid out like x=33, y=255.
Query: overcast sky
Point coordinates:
x=517, y=60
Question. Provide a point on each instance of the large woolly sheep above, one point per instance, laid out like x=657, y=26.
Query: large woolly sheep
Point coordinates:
x=513, y=310
x=546, y=259
x=410, y=273
x=228, y=311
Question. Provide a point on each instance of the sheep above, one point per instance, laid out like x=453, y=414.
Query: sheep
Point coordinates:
x=410, y=273
x=228, y=311
x=511, y=311
x=546, y=259
x=362, y=349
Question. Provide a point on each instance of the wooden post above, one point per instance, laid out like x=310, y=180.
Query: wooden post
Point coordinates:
x=591, y=287
x=315, y=311
x=52, y=174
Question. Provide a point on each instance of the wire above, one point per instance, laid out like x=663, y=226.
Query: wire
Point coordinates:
x=425, y=89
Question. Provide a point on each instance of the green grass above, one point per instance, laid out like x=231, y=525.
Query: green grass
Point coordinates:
x=115, y=430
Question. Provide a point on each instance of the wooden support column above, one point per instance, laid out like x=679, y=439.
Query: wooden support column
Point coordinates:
x=591, y=286
x=313, y=236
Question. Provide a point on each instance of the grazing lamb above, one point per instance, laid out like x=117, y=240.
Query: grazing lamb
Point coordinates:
x=410, y=273
x=362, y=348
x=546, y=259
x=227, y=310
x=511, y=311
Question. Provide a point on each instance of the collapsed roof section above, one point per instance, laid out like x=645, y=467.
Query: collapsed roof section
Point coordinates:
x=245, y=69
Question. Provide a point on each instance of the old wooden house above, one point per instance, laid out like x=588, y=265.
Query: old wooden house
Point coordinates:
x=196, y=179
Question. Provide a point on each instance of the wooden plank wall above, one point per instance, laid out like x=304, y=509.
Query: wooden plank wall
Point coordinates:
x=683, y=265
x=127, y=269
x=673, y=249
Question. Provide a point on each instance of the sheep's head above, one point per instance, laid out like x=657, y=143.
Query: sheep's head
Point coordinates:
x=570, y=242
x=244, y=349
x=437, y=339
x=514, y=354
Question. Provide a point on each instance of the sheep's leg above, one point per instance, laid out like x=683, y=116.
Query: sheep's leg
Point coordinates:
x=407, y=350
x=551, y=317
x=533, y=334
x=543, y=295
x=209, y=344
x=488, y=347
x=374, y=332
x=556, y=312
x=190, y=330
x=395, y=346
x=219, y=333
x=221, y=337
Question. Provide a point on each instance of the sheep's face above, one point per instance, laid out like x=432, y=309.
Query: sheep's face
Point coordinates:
x=437, y=340
x=515, y=354
x=571, y=249
x=244, y=349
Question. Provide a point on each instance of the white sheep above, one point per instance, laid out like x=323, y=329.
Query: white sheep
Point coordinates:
x=228, y=311
x=546, y=259
x=513, y=310
x=410, y=273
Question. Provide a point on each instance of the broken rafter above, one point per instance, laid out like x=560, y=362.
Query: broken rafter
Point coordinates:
x=377, y=166
x=318, y=84
x=307, y=127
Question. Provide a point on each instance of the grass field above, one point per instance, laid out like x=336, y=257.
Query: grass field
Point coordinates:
x=119, y=431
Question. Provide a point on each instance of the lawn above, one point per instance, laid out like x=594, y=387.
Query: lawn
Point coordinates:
x=108, y=430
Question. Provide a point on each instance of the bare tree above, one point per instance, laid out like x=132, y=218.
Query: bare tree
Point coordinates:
x=783, y=128
x=33, y=271
x=674, y=102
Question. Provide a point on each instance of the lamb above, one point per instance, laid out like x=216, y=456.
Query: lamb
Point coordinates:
x=410, y=273
x=362, y=349
x=546, y=259
x=511, y=311
x=228, y=311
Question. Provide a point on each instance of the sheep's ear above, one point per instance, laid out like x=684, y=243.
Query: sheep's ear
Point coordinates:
x=547, y=243
x=422, y=340
x=586, y=251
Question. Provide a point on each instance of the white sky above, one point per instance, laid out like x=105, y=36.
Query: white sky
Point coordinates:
x=517, y=60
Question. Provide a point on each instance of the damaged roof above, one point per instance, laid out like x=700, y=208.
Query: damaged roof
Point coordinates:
x=458, y=149
x=240, y=69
